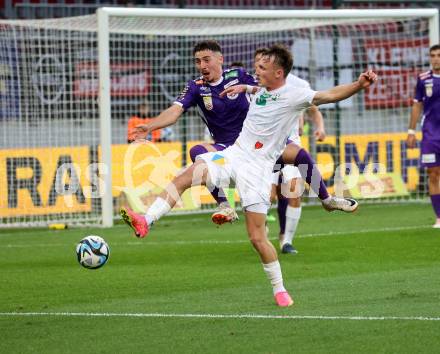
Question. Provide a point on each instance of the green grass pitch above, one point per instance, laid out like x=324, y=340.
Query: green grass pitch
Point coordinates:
x=362, y=283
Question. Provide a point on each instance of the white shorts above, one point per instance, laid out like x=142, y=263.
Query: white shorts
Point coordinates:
x=289, y=172
x=252, y=176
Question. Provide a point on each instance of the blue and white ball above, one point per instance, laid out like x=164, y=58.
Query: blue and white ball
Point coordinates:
x=92, y=252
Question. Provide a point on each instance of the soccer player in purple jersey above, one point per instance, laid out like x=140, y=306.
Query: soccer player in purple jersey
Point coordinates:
x=427, y=99
x=223, y=116
x=249, y=161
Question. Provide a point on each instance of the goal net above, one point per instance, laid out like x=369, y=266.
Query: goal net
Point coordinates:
x=69, y=87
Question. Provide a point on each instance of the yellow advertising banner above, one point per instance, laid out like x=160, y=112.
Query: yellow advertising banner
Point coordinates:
x=382, y=153
x=149, y=166
x=44, y=181
x=365, y=153
x=59, y=180
x=378, y=185
x=142, y=171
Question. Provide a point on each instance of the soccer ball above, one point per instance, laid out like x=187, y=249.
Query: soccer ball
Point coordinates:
x=92, y=252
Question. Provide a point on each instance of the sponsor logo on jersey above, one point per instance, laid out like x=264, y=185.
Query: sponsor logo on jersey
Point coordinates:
x=425, y=75
x=231, y=73
x=207, y=101
x=230, y=83
x=258, y=145
x=183, y=93
x=262, y=99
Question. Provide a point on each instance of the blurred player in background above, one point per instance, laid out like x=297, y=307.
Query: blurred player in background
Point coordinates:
x=142, y=117
x=289, y=206
x=236, y=65
x=427, y=99
x=223, y=116
x=250, y=160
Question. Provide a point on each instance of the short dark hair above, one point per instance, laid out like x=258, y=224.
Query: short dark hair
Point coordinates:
x=282, y=57
x=208, y=44
x=434, y=47
x=260, y=50
x=236, y=64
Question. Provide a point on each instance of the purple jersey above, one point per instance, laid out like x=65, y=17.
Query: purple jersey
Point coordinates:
x=428, y=92
x=223, y=116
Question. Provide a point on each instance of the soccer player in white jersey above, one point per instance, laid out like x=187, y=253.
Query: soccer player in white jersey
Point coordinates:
x=286, y=183
x=249, y=162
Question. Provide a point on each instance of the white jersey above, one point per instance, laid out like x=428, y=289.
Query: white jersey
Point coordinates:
x=295, y=81
x=270, y=119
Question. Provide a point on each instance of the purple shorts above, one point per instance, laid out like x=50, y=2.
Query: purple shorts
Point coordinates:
x=430, y=153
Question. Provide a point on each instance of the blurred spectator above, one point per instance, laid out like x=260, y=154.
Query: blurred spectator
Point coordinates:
x=142, y=118
x=236, y=65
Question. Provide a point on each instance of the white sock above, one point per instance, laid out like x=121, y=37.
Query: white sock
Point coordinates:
x=273, y=272
x=292, y=218
x=159, y=208
x=225, y=204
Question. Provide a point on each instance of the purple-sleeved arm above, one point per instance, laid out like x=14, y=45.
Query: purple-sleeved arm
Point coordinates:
x=418, y=96
x=188, y=96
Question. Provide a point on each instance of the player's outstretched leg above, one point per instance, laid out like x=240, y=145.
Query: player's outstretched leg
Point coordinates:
x=224, y=213
x=196, y=174
x=309, y=172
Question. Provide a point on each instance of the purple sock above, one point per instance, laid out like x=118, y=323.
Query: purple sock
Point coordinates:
x=282, y=207
x=310, y=173
x=193, y=153
x=435, y=201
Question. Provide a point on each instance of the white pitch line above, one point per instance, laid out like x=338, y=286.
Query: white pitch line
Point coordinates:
x=201, y=242
x=221, y=316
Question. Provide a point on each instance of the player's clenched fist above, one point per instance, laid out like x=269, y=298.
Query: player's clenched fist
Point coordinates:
x=142, y=131
x=367, y=78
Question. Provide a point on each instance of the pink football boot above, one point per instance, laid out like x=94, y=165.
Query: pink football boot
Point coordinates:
x=283, y=299
x=135, y=221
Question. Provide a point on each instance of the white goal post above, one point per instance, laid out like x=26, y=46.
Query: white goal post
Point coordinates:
x=70, y=85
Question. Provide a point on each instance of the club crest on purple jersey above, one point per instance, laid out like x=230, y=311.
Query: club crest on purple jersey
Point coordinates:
x=207, y=101
x=428, y=89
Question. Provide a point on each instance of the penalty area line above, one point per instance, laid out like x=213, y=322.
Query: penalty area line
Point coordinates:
x=219, y=316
